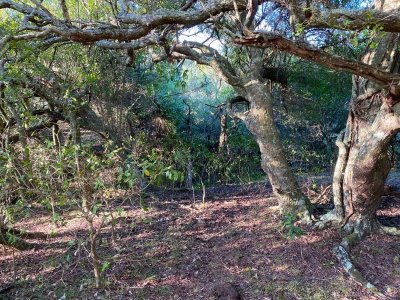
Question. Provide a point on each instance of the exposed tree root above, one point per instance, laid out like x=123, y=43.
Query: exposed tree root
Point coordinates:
x=323, y=193
x=342, y=254
x=327, y=220
x=389, y=230
x=344, y=259
x=302, y=209
x=306, y=217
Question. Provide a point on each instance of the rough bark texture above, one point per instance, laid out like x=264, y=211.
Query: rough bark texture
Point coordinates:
x=223, y=135
x=338, y=175
x=259, y=120
x=372, y=123
x=75, y=133
x=364, y=160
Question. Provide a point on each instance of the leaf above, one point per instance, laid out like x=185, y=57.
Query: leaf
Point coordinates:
x=96, y=208
x=105, y=266
x=99, y=184
x=120, y=211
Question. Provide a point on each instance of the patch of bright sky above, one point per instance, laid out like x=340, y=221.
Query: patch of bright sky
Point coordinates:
x=217, y=90
x=198, y=34
x=201, y=35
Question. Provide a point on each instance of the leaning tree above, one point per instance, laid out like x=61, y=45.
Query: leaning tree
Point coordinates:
x=363, y=163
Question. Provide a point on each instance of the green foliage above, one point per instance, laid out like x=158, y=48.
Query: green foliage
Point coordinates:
x=105, y=266
x=49, y=179
x=291, y=230
x=241, y=164
x=156, y=168
x=314, y=115
x=299, y=30
x=127, y=176
x=130, y=100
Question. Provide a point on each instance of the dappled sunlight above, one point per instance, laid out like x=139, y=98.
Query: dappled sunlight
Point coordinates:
x=168, y=250
x=191, y=149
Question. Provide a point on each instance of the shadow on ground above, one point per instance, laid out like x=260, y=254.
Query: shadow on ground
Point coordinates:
x=181, y=250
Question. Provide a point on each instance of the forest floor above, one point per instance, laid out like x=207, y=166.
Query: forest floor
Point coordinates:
x=181, y=249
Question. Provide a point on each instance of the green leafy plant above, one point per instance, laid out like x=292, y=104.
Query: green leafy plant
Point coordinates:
x=292, y=231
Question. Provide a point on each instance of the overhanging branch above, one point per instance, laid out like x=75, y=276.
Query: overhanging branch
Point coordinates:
x=388, y=21
x=206, y=55
x=140, y=43
x=170, y=16
x=305, y=51
x=141, y=25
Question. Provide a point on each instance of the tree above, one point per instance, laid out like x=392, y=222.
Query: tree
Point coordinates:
x=364, y=158
x=258, y=116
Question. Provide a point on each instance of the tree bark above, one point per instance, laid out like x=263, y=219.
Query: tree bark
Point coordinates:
x=223, y=135
x=366, y=169
x=189, y=165
x=75, y=132
x=364, y=162
x=56, y=135
x=259, y=120
x=338, y=175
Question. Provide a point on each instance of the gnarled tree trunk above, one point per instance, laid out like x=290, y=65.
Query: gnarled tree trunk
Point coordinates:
x=251, y=87
x=364, y=162
x=259, y=120
x=366, y=170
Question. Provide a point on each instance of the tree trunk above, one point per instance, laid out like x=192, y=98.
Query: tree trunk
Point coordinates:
x=75, y=131
x=365, y=169
x=364, y=162
x=189, y=166
x=259, y=120
x=251, y=87
x=189, y=174
x=223, y=135
x=56, y=135
x=338, y=175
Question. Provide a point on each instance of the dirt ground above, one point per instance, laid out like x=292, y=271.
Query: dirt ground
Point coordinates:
x=181, y=249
